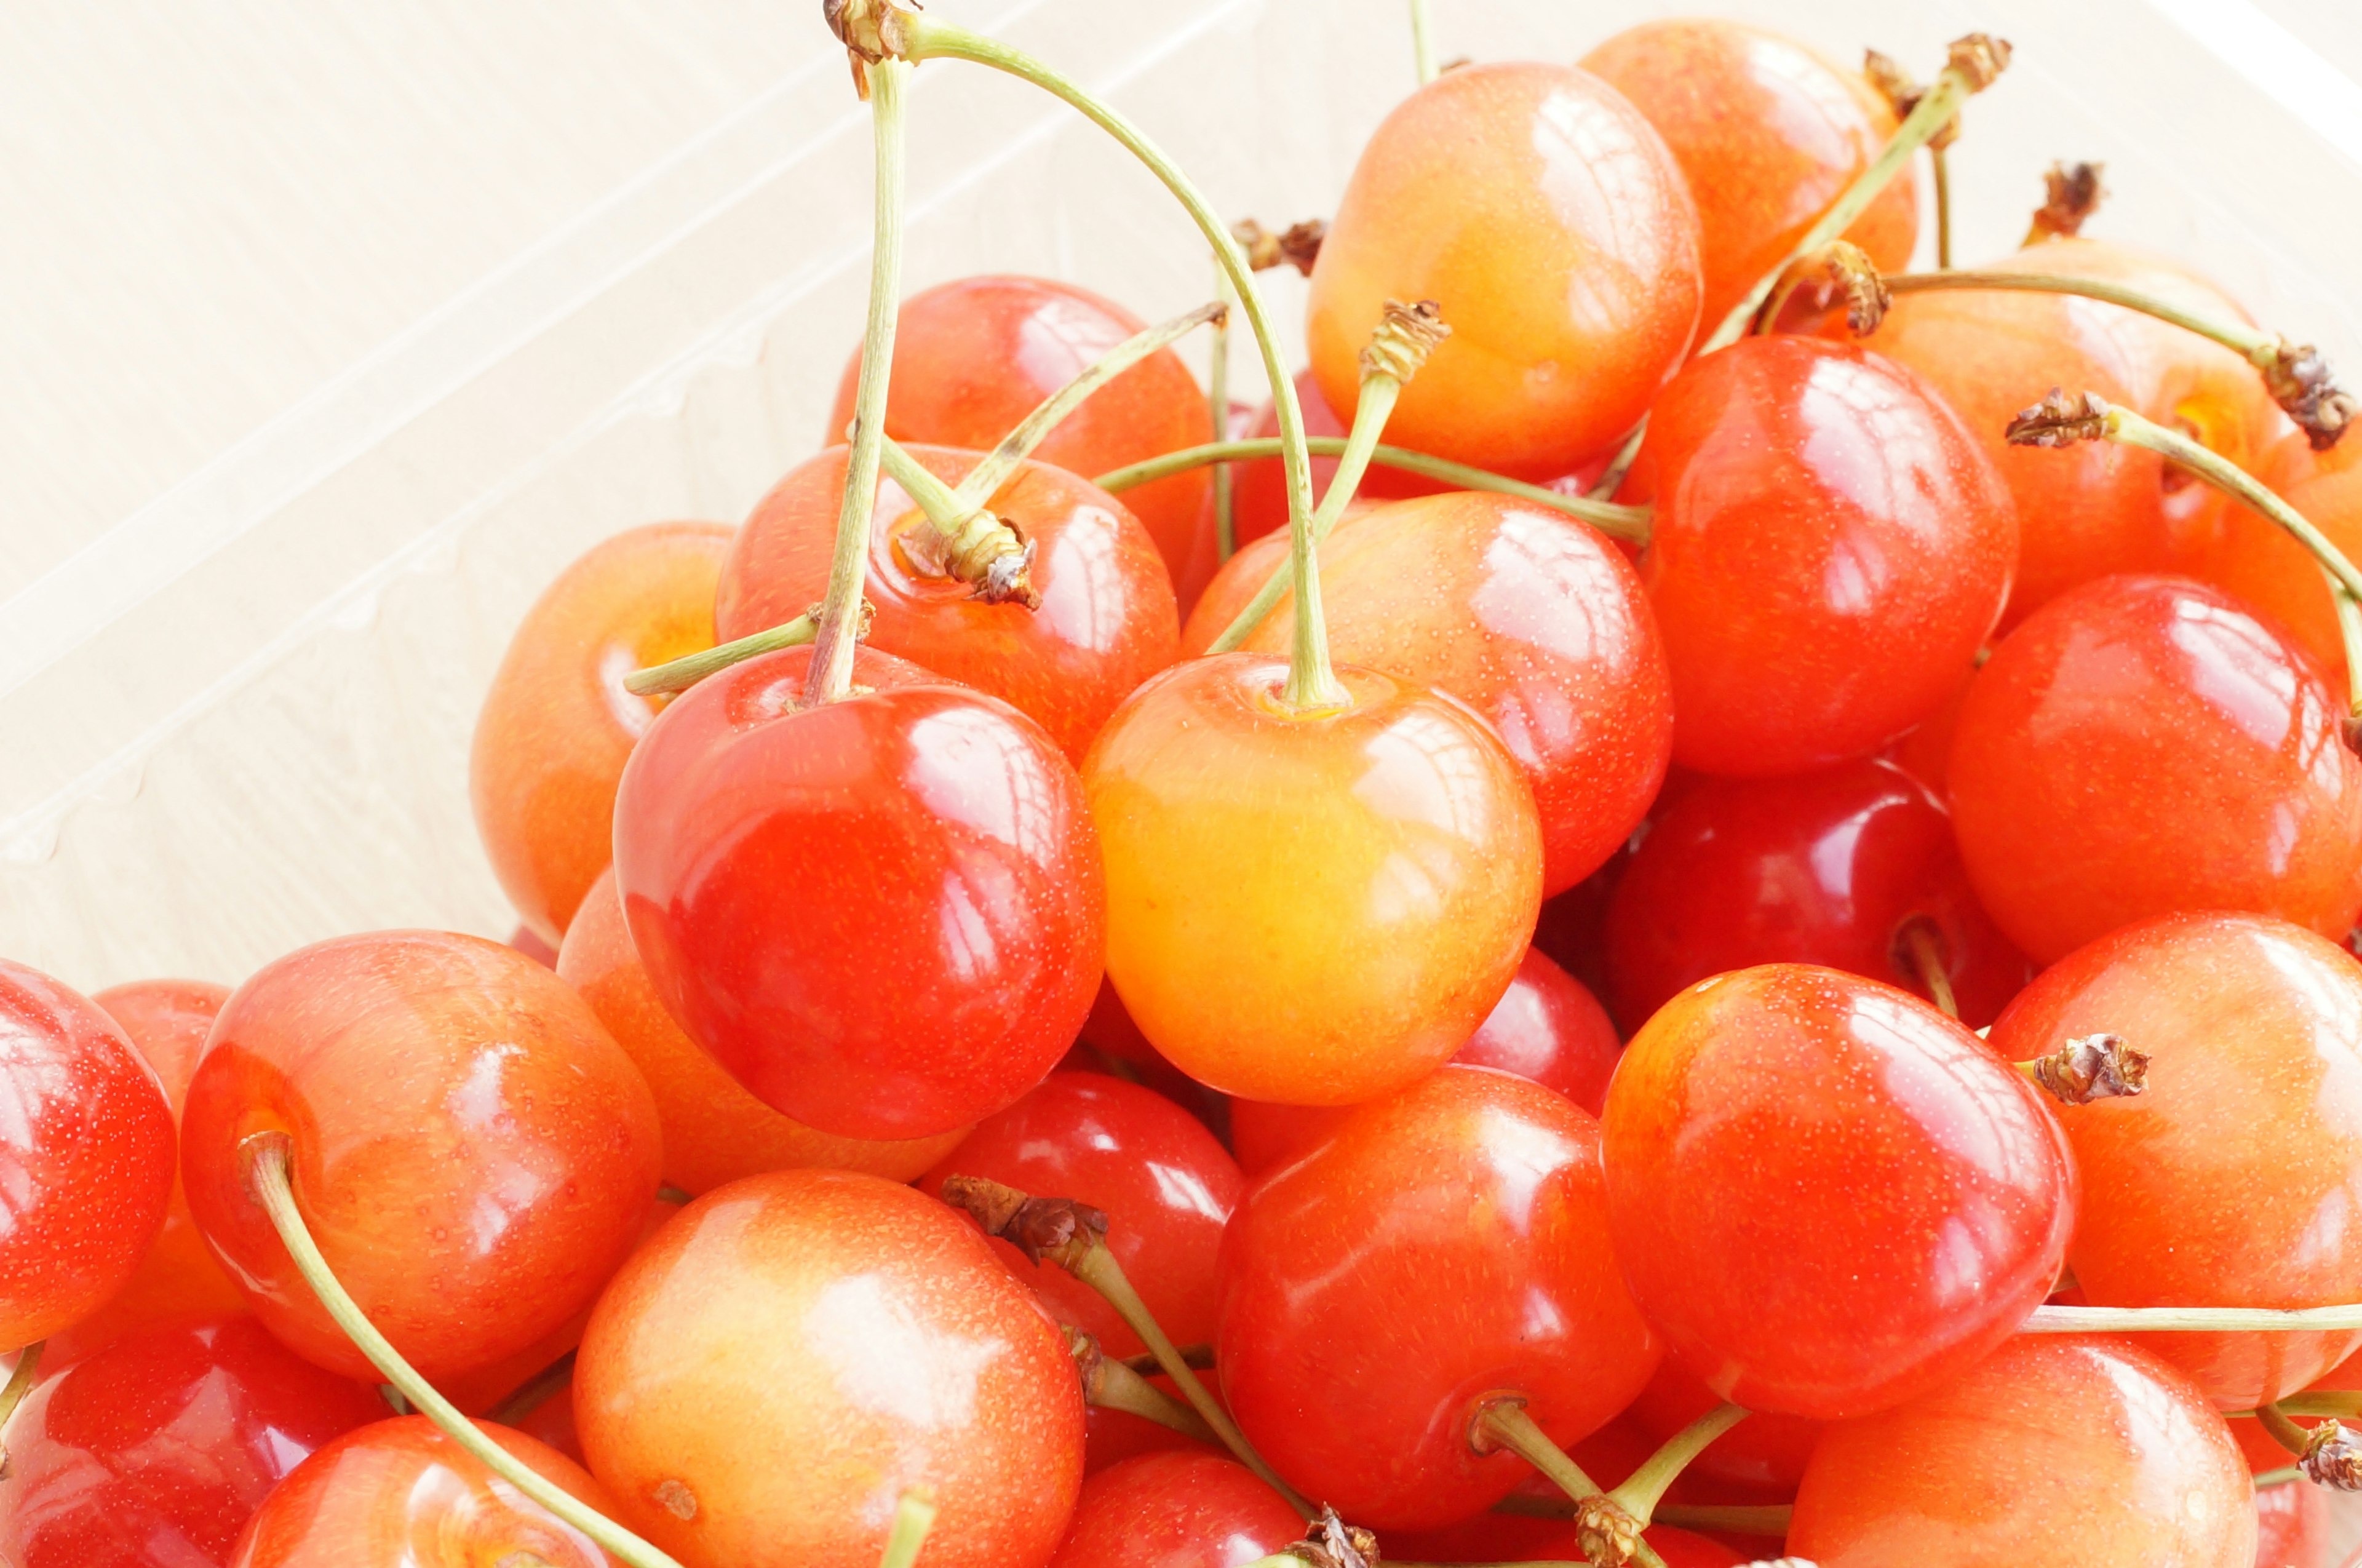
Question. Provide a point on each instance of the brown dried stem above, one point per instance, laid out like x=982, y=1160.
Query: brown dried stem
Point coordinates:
x=2089, y=1067
x=1297, y=246
x=2072, y=193
x=2331, y=1458
x=1112, y=1384
x=1839, y=270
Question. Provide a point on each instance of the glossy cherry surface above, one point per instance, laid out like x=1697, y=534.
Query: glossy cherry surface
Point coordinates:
x=882, y=915
x=402, y=1493
x=2142, y=745
x=1824, y=868
x=1828, y=1196
x=2292, y=1525
x=849, y=1333
x=557, y=724
x=1177, y=1511
x=714, y=1131
x=1167, y=1186
x=1311, y=909
x=154, y=1451
x=2231, y=1179
x=1513, y=1538
x=1830, y=549
x=470, y=1150
x=1107, y=621
x=1768, y=136
x=86, y=1156
x=1529, y=617
x=1446, y=1248
x=974, y=357
x=1547, y=1027
x=2259, y=563
x=1541, y=212
x=2055, y=1449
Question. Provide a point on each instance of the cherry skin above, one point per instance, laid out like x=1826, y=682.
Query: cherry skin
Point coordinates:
x=154, y=1451
x=974, y=357
x=1829, y=551
x=850, y=1333
x=1366, y=1321
x=2055, y=1449
x=2260, y=564
x=1546, y=1027
x=1259, y=489
x=1165, y=1185
x=86, y=1156
x=472, y=1153
x=557, y=724
x=1826, y=1194
x=1825, y=868
x=1111, y=1437
x=1532, y=618
x=883, y=915
x=1107, y=621
x=1177, y=1511
x=2142, y=746
x=401, y=1492
x=2225, y=1183
x=1513, y=1538
x=1312, y=908
x=714, y=1131
x=1768, y=136
x=2292, y=1525
x=1545, y=214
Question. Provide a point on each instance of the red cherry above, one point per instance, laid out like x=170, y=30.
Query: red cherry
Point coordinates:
x=154, y=1451
x=1544, y=213
x=1825, y=868
x=2142, y=746
x=850, y=1334
x=85, y=1156
x=1546, y=1027
x=1829, y=551
x=1513, y=1538
x=471, y=1151
x=2053, y=1449
x=401, y=1492
x=883, y=915
x=1166, y=1187
x=1826, y=1194
x=1366, y=1320
x=2224, y=1183
x=2292, y=1525
x=974, y=357
x=552, y=1421
x=1177, y=1511
x=1259, y=490
x=1766, y=1452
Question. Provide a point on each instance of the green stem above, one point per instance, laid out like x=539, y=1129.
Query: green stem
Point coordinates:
x=2285, y=1433
x=2349, y=636
x=2187, y=1320
x=682, y=673
x=914, y=1515
x=20, y=1383
x=1629, y=523
x=2344, y=1406
x=1504, y=1421
x=1739, y=1520
x=1611, y=478
x=536, y=1393
x=1943, y=205
x=1217, y=401
x=1645, y=1487
x=2256, y=346
x=830, y=675
x=1200, y=1357
x=2281, y=1477
x=1422, y=43
x=1925, y=949
x=272, y=1185
x=1119, y=1387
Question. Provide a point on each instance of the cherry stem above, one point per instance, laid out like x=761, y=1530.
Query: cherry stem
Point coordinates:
x=1608, y=1531
x=2344, y=1405
x=1943, y=172
x=2089, y=1067
x=2349, y=636
x=2188, y=1320
x=1504, y=1421
x=681, y=674
x=979, y=549
x=20, y=1383
x=1111, y=1382
x=839, y=621
x=1925, y=949
x=537, y=1392
x=2285, y=1433
x=272, y=1186
x=1629, y=523
x=1217, y=402
x=2281, y=1477
x=1611, y=478
x=1200, y=1357
x=2257, y=347
x=1422, y=43
x=1642, y=1490
x=914, y=1515
x=1738, y=1518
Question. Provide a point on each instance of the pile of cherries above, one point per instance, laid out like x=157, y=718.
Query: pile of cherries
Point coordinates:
x=1735, y=949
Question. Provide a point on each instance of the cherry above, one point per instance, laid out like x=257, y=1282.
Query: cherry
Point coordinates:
x=2259, y=563
x=2224, y=1183
x=1534, y=202
x=1532, y=618
x=1105, y=622
x=1826, y=1194
x=2052, y=1450
x=557, y=723
x=849, y=1334
x=85, y=1157
x=882, y=915
x=401, y=1492
x=470, y=1150
x=155, y=1451
x=1546, y=1027
x=1768, y=136
x=2292, y=1525
x=1259, y=489
x=1767, y=1452
x=1311, y=908
x=1166, y=1187
x=1829, y=551
x=1514, y=1537
x=714, y=1131
x=2143, y=745
x=1829, y=869
x=551, y=1420
x=1367, y=1322
x=1177, y=1511
x=974, y=357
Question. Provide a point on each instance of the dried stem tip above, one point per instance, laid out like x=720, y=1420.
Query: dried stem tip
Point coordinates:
x=1902, y=91
x=1404, y=338
x=1058, y=1228
x=2073, y=194
x=1297, y=246
x=986, y=553
x=1853, y=277
x=1090, y=1362
x=2059, y=420
x=870, y=30
x=2300, y=384
x=2095, y=1066
x=2331, y=1459
x=1979, y=58
x=1608, y=1534
x=1333, y=1543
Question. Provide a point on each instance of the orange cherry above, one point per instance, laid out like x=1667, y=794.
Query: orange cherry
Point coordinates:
x=557, y=724
x=2256, y=560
